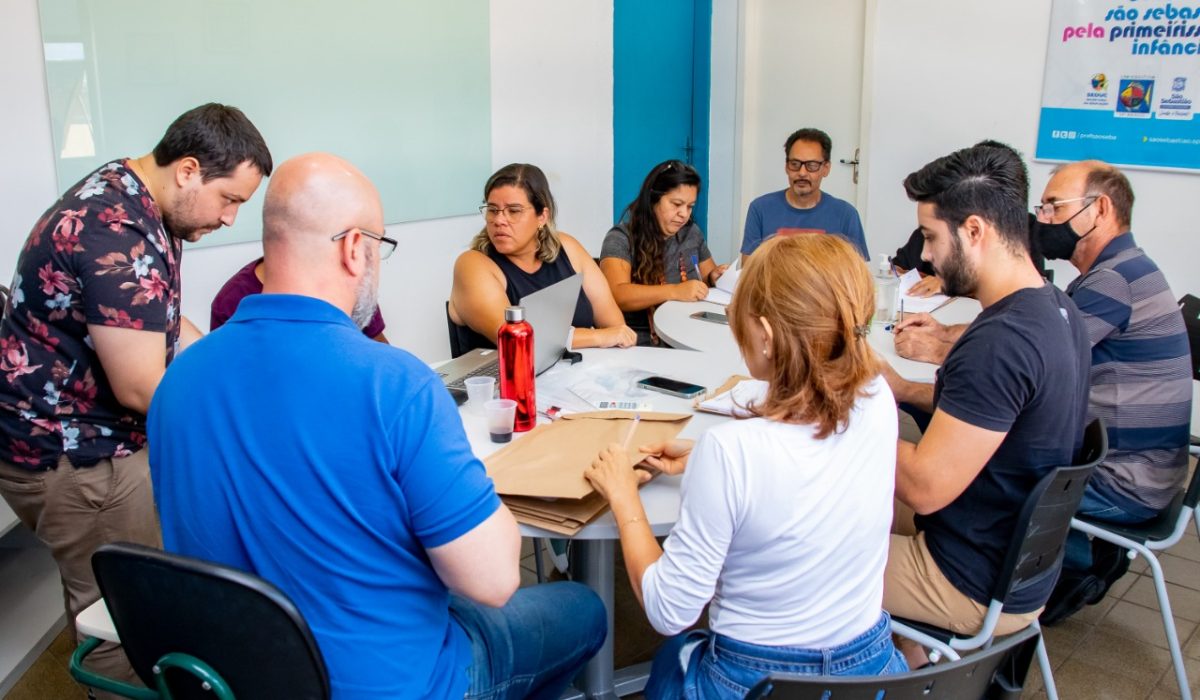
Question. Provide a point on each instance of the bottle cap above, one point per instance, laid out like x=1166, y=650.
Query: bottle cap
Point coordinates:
x=514, y=314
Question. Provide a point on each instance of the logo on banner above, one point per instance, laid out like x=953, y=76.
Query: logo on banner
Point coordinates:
x=1098, y=95
x=1177, y=105
x=1099, y=81
x=1133, y=97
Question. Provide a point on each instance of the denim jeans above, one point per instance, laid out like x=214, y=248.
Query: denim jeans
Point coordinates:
x=720, y=668
x=536, y=644
x=1098, y=506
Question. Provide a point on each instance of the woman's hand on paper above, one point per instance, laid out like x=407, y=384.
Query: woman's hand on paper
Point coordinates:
x=613, y=475
x=690, y=290
x=668, y=457
x=716, y=274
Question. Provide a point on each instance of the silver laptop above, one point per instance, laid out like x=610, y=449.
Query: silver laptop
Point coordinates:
x=549, y=311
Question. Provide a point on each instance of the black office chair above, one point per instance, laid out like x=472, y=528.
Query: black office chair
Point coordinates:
x=197, y=630
x=1037, y=546
x=998, y=673
x=1170, y=525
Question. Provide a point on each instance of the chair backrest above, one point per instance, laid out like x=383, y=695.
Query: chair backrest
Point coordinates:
x=1039, y=538
x=247, y=630
x=995, y=673
x=460, y=344
x=3, y=300
x=1189, y=306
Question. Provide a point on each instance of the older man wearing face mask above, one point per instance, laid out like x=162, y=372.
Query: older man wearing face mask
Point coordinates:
x=1141, y=373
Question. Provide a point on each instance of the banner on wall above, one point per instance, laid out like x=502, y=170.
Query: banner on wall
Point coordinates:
x=1121, y=81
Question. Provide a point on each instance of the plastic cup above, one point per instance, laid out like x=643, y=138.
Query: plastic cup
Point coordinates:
x=479, y=391
x=501, y=414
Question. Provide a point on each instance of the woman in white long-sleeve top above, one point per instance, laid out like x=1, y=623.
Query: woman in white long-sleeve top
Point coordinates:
x=785, y=515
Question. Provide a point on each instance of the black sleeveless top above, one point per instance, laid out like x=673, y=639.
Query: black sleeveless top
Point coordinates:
x=519, y=283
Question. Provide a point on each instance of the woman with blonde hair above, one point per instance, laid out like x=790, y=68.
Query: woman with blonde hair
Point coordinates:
x=784, y=516
x=518, y=252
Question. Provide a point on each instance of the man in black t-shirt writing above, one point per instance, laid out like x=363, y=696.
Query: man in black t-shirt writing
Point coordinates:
x=1008, y=405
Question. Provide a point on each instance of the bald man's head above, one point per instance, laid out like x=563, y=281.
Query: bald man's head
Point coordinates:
x=318, y=195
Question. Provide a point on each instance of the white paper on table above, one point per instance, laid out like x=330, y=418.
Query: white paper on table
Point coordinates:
x=734, y=401
x=913, y=305
x=726, y=283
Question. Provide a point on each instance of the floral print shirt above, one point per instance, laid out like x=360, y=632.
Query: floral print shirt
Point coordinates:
x=101, y=256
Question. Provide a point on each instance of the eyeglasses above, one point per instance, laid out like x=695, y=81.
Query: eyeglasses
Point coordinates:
x=512, y=212
x=811, y=166
x=1046, y=211
x=387, y=246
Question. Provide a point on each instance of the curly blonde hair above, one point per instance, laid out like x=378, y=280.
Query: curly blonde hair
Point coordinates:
x=818, y=297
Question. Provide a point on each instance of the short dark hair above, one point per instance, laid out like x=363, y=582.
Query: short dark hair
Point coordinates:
x=1107, y=180
x=812, y=136
x=986, y=181
x=220, y=137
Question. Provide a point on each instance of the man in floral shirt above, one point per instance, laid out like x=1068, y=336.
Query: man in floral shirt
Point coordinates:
x=92, y=324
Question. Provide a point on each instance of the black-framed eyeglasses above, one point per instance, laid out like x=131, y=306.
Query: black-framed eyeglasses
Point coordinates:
x=512, y=212
x=811, y=166
x=387, y=246
x=1046, y=211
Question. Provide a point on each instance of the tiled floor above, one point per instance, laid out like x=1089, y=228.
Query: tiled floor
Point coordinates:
x=1115, y=650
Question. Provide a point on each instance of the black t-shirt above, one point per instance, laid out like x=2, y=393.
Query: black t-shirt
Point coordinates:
x=1021, y=368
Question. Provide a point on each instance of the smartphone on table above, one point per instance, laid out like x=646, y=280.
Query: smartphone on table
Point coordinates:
x=712, y=316
x=671, y=387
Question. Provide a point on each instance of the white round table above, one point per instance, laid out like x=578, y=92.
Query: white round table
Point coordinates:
x=675, y=325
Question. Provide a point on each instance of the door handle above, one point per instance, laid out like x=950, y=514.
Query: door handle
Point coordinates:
x=854, y=163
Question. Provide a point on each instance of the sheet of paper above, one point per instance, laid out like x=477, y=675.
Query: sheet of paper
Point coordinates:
x=913, y=305
x=734, y=401
x=726, y=283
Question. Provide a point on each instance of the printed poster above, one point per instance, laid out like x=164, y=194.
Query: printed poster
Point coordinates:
x=1120, y=82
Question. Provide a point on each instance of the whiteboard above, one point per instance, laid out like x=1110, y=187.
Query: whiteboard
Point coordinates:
x=399, y=88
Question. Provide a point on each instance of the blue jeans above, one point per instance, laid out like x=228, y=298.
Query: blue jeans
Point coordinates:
x=720, y=668
x=1099, y=506
x=535, y=645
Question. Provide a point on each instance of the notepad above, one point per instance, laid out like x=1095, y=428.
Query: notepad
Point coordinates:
x=723, y=292
x=734, y=396
x=914, y=305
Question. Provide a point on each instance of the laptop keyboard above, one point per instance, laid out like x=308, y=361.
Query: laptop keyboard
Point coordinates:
x=491, y=369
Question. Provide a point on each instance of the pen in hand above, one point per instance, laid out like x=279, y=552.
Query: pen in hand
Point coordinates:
x=696, y=266
x=637, y=417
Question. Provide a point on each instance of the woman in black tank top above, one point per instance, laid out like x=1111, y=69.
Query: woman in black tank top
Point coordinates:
x=519, y=252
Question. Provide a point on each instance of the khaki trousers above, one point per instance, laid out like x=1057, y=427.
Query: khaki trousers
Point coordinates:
x=915, y=588
x=74, y=511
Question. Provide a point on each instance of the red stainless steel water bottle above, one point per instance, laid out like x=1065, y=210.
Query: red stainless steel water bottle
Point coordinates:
x=515, y=343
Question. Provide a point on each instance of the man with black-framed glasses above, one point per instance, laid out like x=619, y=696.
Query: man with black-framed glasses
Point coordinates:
x=803, y=207
x=288, y=445
x=249, y=280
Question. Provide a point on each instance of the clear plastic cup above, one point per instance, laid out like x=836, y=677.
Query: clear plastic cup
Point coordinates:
x=501, y=414
x=479, y=391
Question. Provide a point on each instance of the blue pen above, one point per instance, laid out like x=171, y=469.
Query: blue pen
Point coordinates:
x=696, y=264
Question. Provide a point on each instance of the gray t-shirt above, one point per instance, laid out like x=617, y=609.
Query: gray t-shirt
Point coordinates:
x=677, y=255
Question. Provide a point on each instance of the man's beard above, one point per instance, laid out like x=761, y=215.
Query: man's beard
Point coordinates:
x=366, y=297
x=178, y=222
x=958, y=279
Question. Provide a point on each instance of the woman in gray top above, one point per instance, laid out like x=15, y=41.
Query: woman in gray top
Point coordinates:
x=657, y=253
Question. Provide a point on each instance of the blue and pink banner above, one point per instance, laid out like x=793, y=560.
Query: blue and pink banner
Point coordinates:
x=1120, y=82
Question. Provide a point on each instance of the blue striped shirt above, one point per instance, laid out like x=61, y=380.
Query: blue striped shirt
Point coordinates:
x=1141, y=378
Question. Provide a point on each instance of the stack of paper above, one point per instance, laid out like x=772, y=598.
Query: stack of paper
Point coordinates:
x=913, y=305
x=726, y=283
x=540, y=477
x=732, y=397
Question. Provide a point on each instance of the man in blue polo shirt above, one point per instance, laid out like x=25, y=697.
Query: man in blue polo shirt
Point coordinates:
x=803, y=207
x=1008, y=404
x=337, y=468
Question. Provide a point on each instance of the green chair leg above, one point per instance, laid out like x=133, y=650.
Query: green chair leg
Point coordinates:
x=210, y=679
x=94, y=680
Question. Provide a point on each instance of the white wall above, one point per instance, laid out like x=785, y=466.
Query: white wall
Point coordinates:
x=551, y=72
x=946, y=75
